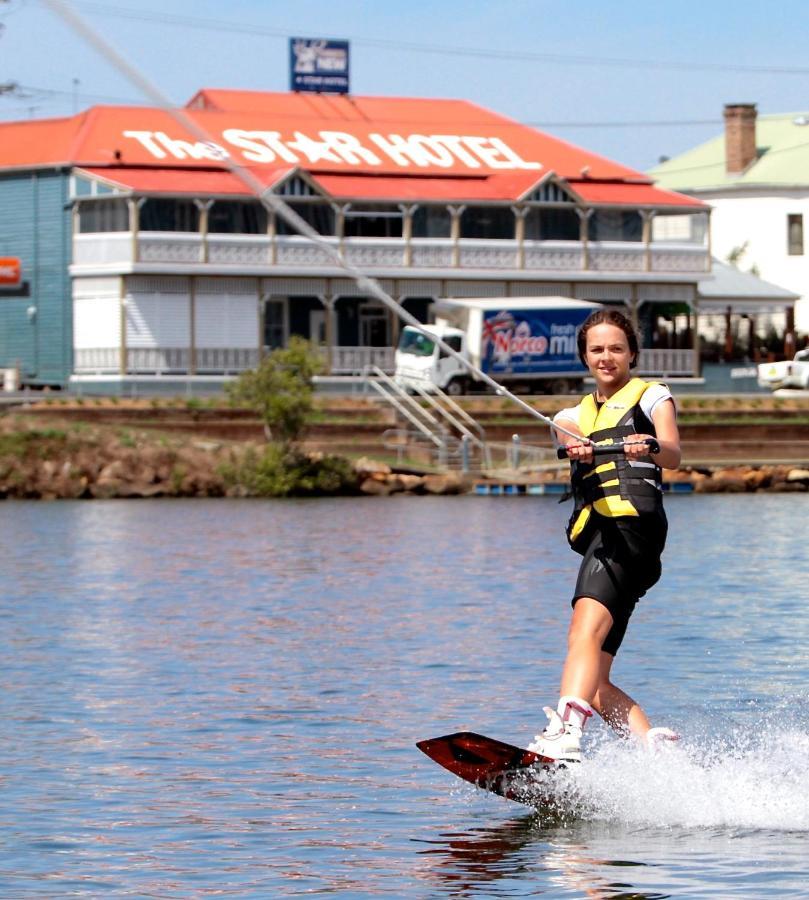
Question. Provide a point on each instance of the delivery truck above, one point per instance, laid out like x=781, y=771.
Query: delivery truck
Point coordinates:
x=525, y=343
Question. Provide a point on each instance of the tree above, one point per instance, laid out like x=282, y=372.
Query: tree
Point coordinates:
x=280, y=390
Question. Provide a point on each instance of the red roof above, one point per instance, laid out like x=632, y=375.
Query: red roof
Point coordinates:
x=213, y=182
x=355, y=147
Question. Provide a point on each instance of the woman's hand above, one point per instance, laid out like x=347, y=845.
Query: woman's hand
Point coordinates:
x=635, y=446
x=580, y=451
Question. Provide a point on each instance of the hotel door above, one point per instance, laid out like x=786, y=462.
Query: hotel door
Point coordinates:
x=374, y=326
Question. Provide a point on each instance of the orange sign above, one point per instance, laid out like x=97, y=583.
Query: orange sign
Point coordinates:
x=10, y=271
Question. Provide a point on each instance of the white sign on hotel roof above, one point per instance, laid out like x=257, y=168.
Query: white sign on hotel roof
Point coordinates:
x=374, y=150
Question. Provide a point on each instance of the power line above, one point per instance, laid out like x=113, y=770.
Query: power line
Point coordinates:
x=714, y=165
x=444, y=50
x=26, y=90
x=673, y=123
x=29, y=90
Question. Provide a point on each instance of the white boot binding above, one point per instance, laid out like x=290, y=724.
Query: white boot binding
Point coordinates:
x=660, y=738
x=561, y=739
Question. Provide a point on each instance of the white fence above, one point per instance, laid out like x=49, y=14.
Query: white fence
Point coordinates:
x=93, y=251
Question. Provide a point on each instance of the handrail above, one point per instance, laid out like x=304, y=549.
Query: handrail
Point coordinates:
x=408, y=415
x=430, y=398
x=400, y=392
x=459, y=410
x=396, y=390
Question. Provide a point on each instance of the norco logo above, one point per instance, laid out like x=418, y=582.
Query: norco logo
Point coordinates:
x=10, y=270
x=421, y=151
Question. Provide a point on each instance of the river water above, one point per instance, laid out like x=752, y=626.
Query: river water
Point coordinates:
x=222, y=698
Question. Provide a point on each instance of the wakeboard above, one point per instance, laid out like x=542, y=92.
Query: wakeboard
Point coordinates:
x=512, y=772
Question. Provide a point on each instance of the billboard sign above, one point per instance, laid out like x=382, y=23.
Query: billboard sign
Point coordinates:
x=10, y=271
x=318, y=65
x=531, y=341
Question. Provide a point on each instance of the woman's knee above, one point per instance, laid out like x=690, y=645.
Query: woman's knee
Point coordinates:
x=591, y=622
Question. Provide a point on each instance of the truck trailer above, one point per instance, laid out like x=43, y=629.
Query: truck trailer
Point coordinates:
x=525, y=343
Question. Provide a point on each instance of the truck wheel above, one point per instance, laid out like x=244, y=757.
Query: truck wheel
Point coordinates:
x=559, y=386
x=456, y=387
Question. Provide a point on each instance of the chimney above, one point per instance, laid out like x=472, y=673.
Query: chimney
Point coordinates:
x=740, y=137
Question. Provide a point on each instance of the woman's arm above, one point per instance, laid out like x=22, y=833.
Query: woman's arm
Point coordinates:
x=668, y=436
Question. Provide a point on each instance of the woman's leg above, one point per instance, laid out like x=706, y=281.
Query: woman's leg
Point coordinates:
x=589, y=626
x=615, y=707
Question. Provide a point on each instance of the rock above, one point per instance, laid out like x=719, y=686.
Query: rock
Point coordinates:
x=758, y=479
x=443, y=484
x=721, y=484
x=113, y=472
x=375, y=487
x=366, y=466
x=411, y=483
x=107, y=489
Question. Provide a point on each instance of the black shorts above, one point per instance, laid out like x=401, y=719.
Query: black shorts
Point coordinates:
x=621, y=563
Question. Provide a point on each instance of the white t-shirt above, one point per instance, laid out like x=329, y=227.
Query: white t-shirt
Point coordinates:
x=651, y=398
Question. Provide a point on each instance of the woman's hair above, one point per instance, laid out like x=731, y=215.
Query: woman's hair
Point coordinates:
x=609, y=317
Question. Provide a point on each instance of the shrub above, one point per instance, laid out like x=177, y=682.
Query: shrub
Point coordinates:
x=282, y=471
x=280, y=390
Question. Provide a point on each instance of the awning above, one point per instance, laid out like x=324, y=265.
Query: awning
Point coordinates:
x=194, y=182
x=493, y=188
x=629, y=194
x=742, y=291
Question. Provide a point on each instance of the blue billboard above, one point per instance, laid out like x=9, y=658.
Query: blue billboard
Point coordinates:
x=519, y=342
x=318, y=65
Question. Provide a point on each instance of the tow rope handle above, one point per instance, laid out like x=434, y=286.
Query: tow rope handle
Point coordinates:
x=607, y=449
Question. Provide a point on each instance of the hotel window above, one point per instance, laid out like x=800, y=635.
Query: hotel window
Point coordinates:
x=432, y=222
x=795, y=234
x=488, y=222
x=615, y=225
x=103, y=215
x=169, y=215
x=373, y=221
x=237, y=217
x=552, y=224
x=319, y=216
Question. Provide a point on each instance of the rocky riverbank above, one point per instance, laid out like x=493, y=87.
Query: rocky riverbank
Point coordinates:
x=112, y=448
x=380, y=479
x=71, y=460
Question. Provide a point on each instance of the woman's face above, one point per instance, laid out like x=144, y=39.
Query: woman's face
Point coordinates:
x=608, y=356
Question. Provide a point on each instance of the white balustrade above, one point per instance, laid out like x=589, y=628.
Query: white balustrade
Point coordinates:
x=93, y=250
x=165, y=247
x=431, y=253
x=99, y=360
x=102, y=249
x=617, y=257
x=666, y=362
x=554, y=255
x=349, y=360
x=239, y=249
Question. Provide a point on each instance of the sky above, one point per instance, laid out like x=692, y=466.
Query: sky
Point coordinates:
x=633, y=81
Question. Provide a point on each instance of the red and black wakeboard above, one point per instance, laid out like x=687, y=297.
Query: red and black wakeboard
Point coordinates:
x=503, y=769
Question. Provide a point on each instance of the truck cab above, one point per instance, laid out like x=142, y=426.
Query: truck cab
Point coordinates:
x=420, y=362
x=792, y=373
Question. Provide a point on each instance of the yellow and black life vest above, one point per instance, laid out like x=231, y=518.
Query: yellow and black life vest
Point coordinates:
x=611, y=485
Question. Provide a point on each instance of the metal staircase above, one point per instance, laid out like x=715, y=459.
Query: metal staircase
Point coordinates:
x=439, y=423
x=437, y=431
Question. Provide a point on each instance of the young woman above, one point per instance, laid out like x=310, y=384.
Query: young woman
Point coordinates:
x=618, y=525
